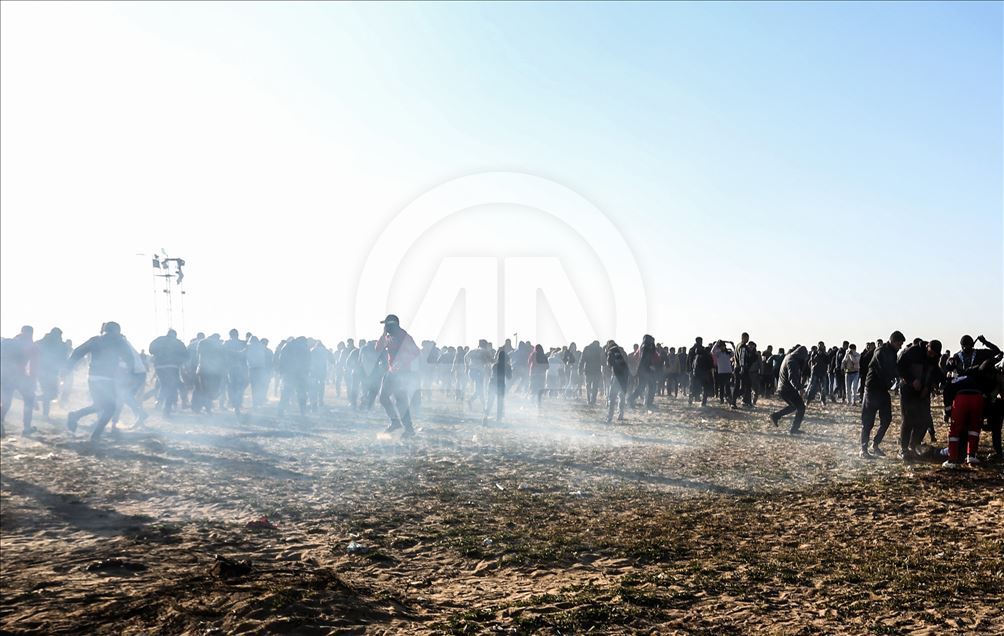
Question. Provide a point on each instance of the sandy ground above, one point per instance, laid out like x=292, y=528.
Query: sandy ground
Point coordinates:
x=682, y=520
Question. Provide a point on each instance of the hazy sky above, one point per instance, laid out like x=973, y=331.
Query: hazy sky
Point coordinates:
x=799, y=171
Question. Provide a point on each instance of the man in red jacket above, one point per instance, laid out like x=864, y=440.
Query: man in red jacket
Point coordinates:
x=398, y=352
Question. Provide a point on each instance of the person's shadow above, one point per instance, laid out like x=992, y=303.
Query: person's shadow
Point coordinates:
x=71, y=510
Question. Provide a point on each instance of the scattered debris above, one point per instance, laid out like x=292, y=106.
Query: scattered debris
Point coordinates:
x=105, y=565
x=226, y=568
x=155, y=445
x=261, y=523
x=355, y=547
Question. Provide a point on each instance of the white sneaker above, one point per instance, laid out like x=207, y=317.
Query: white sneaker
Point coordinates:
x=972, y=460
x=949, y=465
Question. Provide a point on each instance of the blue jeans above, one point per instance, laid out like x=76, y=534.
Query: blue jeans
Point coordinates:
x=851, y=379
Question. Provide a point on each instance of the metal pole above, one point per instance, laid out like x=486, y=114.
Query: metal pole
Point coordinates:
x=170, y=299
x=156, y=317
x=167, y=291
x=182, y=290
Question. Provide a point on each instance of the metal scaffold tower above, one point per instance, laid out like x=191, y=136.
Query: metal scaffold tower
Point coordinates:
x=168, y=290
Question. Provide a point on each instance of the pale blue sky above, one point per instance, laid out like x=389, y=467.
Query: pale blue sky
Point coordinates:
x=800, y=171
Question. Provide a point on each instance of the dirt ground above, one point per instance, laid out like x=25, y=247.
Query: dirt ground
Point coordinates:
x=683, y=520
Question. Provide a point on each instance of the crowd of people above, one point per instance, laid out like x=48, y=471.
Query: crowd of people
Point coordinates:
x=209, y=373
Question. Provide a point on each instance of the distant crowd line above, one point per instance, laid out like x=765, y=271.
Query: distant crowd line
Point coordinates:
x=210, y=372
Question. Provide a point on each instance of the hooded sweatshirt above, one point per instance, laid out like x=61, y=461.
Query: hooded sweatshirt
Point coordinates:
x=791, y=369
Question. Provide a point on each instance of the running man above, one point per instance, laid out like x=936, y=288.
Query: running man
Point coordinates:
x=107, y=352
x=399, y=351
x=19, y=356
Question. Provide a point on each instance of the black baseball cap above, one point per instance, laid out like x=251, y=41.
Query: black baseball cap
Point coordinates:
x=390, y=319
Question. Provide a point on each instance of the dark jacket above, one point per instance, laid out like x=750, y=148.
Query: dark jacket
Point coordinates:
x=702, y=363
x=168, y=351
x=52, y=354
x=617, y=360
x=837, y=362
x=791, y=370
x=960, y=361
x=820, y=362
x=501, y=371
x=882, y=370
x=106, y=352
x=915, y=364
x=743, y=359
x=863, y=362
x=649, y=361
x=775, y=362
x=981, y=380
x=212, y=357
x=592, y=359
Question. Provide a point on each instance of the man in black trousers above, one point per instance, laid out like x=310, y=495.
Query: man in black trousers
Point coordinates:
x=882, y=373
x=920, y=371
x=790, y=388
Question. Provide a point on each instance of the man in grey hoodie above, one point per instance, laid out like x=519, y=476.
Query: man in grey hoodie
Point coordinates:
x=790, y=388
